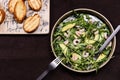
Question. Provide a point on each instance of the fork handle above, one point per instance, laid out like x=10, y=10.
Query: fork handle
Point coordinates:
x=43, y=75
x=109, y=39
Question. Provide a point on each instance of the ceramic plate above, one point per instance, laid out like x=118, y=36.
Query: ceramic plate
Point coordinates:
x=95, y=16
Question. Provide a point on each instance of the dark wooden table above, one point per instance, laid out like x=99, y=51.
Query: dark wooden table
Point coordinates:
x=26, y=57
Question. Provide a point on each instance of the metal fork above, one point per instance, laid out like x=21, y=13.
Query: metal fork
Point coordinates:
x=51, y=66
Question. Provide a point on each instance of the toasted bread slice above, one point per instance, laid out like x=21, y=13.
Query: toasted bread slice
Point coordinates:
x=11, y=5
x=2, y=15
x=20, y=11
x=35, y=4
x=31, y=23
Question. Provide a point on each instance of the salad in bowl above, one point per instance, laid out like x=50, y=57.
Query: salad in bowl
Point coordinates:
x=78, y=35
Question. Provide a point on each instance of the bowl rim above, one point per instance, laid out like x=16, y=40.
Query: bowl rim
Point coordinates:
x=97, y=14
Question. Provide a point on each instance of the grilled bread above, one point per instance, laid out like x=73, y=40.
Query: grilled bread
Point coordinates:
x=20, y=11
x=35, y=4
x=2, y=15
x=11, y=5
x=31, y=23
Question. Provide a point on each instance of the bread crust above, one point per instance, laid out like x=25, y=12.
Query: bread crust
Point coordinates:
x=11, y=5
x=35, y=4
x=31, y=23
x=2, y=15
x=20, y=11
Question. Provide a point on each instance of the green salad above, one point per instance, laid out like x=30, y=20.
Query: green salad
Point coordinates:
x=77, y=39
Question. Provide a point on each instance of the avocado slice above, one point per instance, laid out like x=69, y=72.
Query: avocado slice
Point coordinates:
x=64, y=48
x=68, y=26
x=97, y=36
x=102, y=56
x=76, y=58
x=89, y=41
